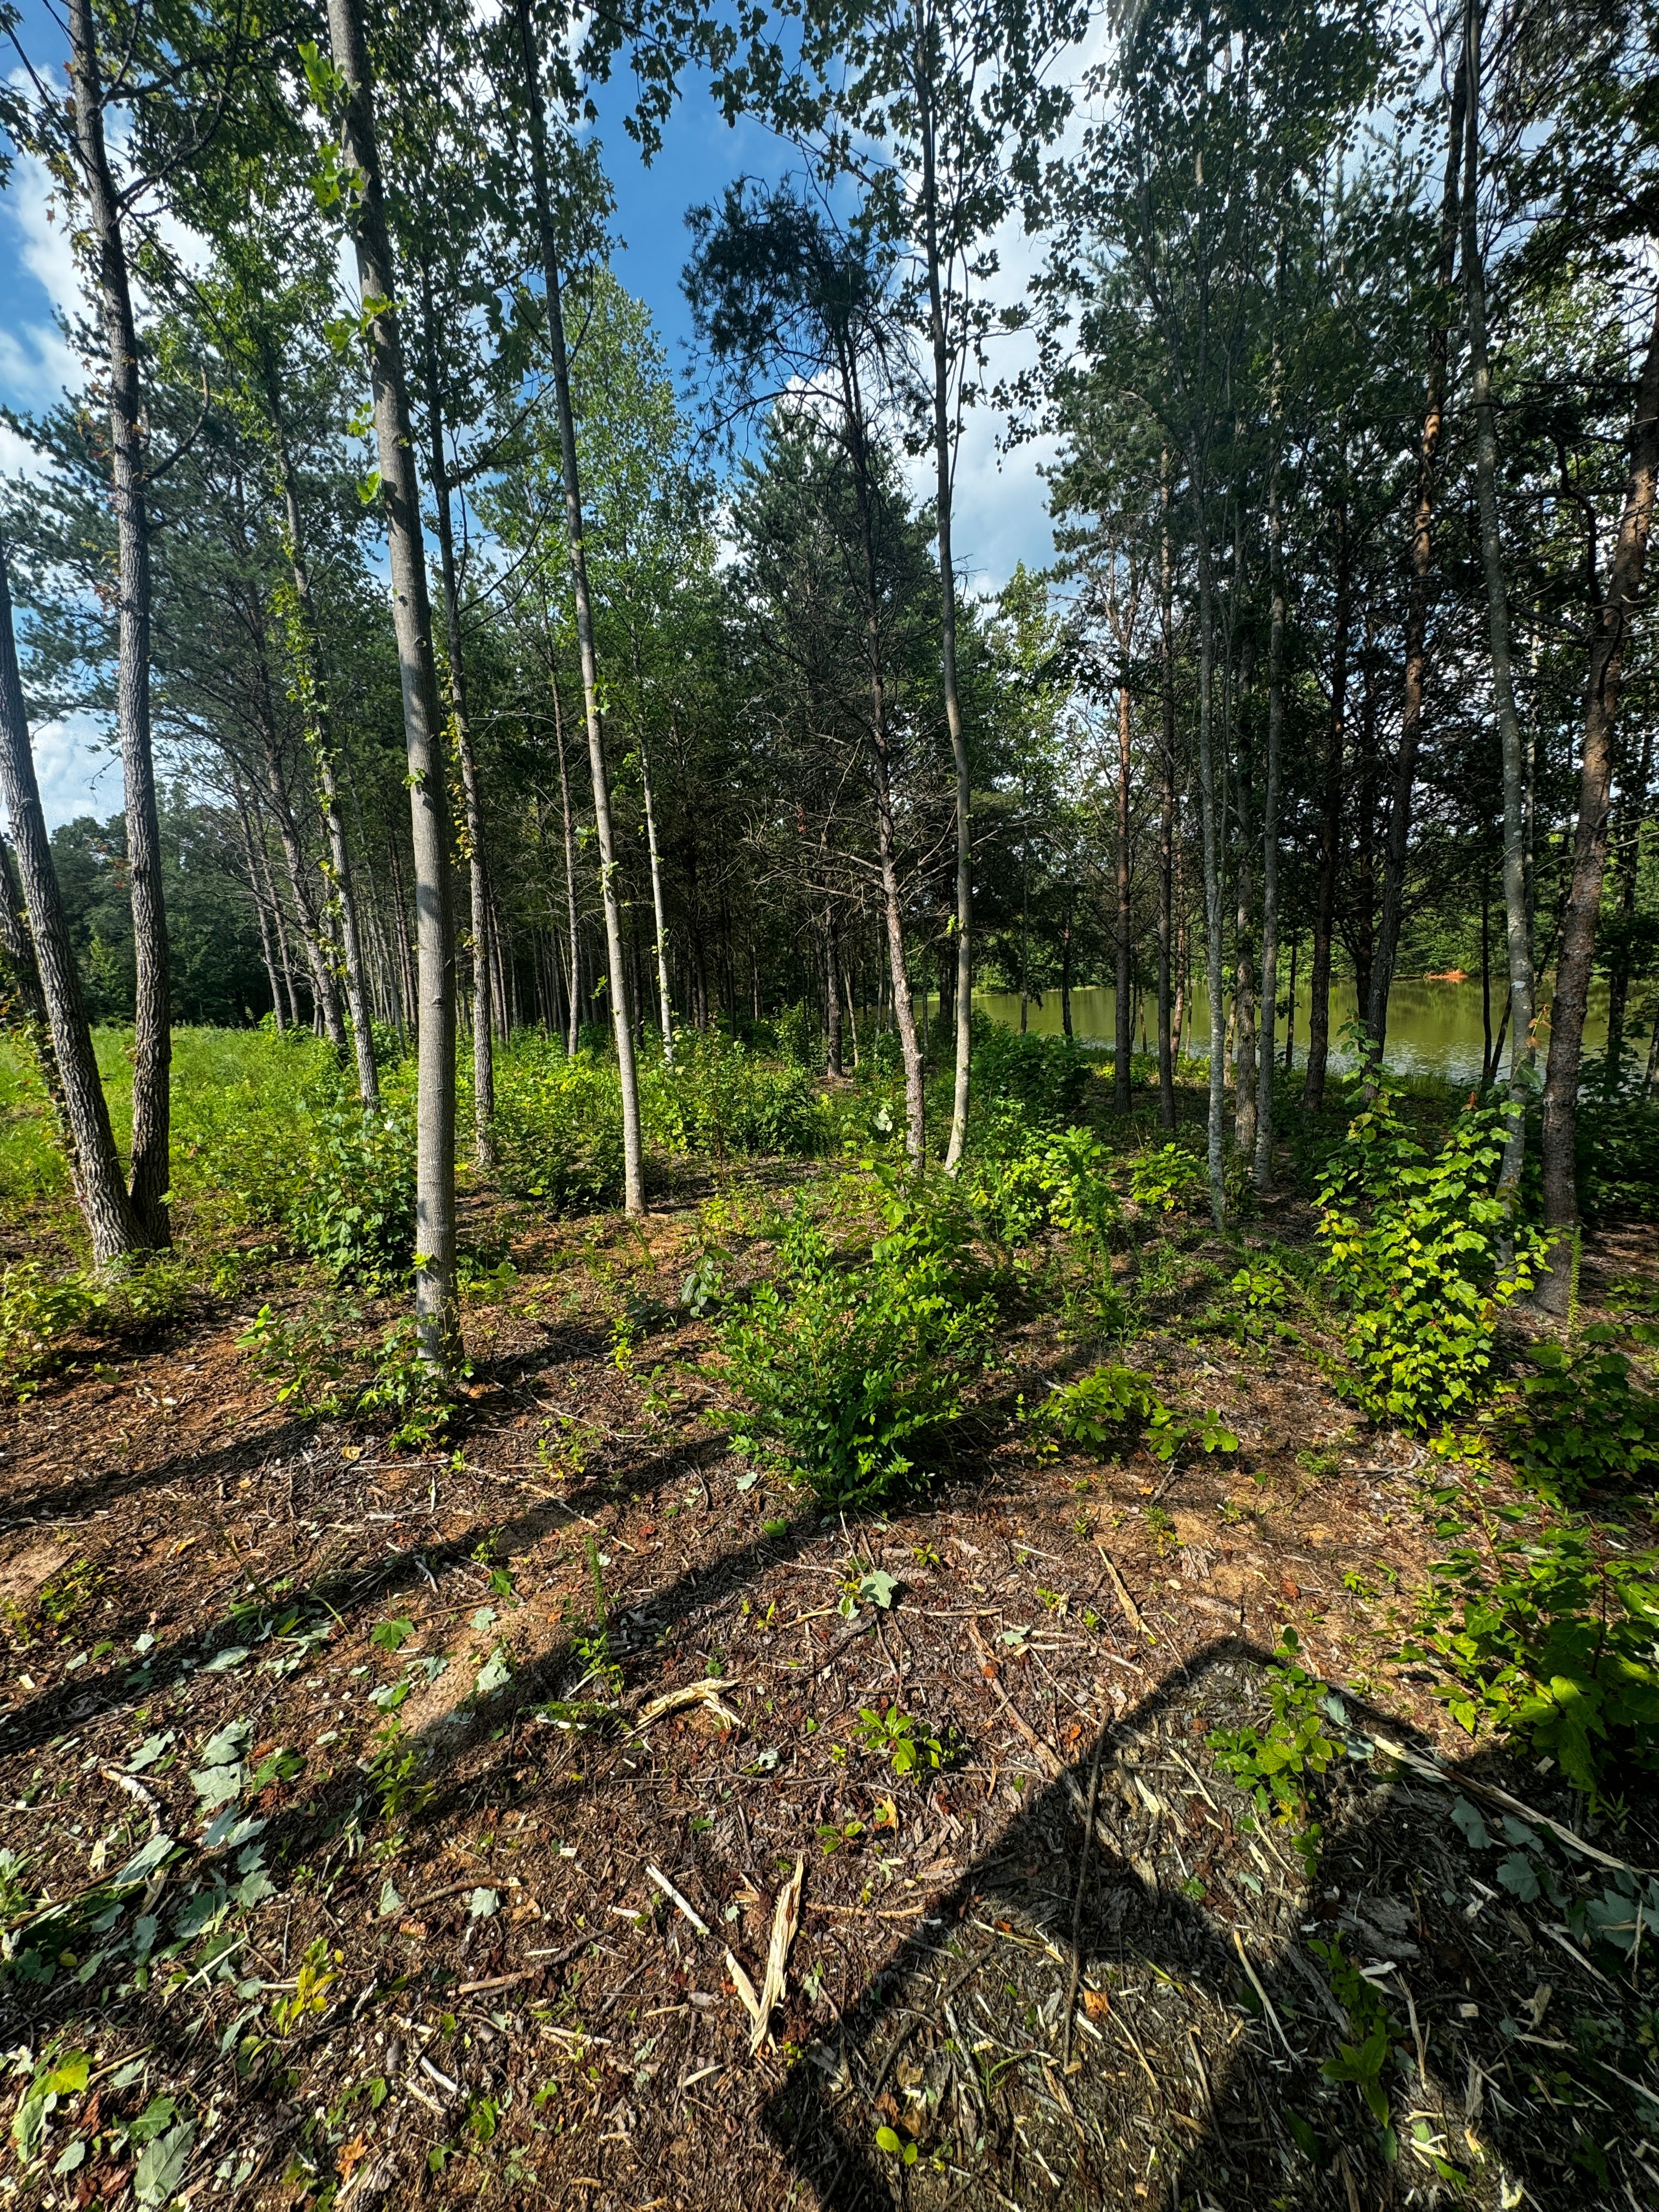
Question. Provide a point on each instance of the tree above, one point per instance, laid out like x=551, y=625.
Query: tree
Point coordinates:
x=112, y=1219
x=346, y=85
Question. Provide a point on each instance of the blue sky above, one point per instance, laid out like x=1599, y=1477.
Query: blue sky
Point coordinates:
x=1000, y=514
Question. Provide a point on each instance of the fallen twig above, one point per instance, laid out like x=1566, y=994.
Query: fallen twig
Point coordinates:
x=674, y=1898
x=1123, y=1598
x=1077, y=1905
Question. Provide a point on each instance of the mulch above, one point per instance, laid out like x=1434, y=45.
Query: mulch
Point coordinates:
x=526, y=1978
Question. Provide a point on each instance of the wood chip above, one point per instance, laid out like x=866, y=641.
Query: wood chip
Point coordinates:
x=785, y=1919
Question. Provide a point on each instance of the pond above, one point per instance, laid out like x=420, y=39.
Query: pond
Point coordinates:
x=1434, y=1026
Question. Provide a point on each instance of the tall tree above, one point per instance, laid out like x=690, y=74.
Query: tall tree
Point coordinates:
x=346, y=86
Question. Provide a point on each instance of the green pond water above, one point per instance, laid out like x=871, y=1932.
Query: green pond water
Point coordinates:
x=1434, y=1029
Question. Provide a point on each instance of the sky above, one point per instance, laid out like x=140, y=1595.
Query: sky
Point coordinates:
x=1001, y=518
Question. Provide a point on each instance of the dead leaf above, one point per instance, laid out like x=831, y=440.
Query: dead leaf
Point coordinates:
x=1097, y=2004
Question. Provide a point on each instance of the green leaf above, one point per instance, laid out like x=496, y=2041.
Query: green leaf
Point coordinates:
x=887, y=2140
x=157, y=2177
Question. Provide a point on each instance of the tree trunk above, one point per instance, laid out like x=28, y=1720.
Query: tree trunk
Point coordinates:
x=1419, y=591
x=1166, y=825
x=1123, y=1039
x=152, y=1009
x=658, y=915
x=1632, y=812
x=1263, y=1168
x=23, y=1009
x=113, y=1223
x=319, y=726
x=572, y=919
x=1244, y=1060
x=832, y=988
x=621, y=1016
x=1213, y=946
x=436, y=1307
x=1517, y=919
x=483, y=996
x=1289, y=1014
x=1608, y=645
x=942, y=458
x=259, y=908
x=1330, y=832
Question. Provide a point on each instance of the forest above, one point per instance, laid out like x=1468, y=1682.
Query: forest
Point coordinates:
x=829, y=1359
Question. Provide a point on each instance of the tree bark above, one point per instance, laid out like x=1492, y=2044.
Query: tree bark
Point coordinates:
x=1213, y=946
x=1419, y=592
x=1124, y=1037
x=1330, y=830
x=319, y=724
x=1517, y=919
x=1614, y=622
x=942, y=457
x=257, y=894
x=483, y=996
x=152, y=1062
x=1166, y=824
x=658, y=912
x=1263, y=1166
x=436, y=1306
x=572, y=919
x=621, y=1016
x=113, y=1220
x=1627, y=840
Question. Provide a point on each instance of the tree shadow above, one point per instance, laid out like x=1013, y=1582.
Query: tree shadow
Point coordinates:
x=1233, y=2074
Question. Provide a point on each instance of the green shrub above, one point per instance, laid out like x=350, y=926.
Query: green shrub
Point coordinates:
x=1579, y=1423
x=1020, y=1179
x=356, y=1211
x=37, y=1310
x=558, y=1123
x=1049, y=1077
x=843, y=1369
x=1170, y=1179
x=1559, y=1645
x=1618, y=1149
x=718, y=1097
x=1252, y=1308
x=1415, y=1250
x=1101, y=1408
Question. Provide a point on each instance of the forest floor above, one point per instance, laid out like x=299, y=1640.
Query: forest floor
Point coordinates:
x=503, y=1960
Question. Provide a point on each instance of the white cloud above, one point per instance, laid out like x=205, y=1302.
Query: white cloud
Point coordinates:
x=77, y=775
x=36, y=365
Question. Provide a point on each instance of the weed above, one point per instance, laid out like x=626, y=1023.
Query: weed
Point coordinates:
x=1578, y=1422
x=1375, y=2036
x=317, y=1976
x=1280, y=1765
x=1170, y=1179
x=1415, y=1244
x=305, y=1358
x=1100, y=1406
x=844, y=1369
x=1557, y=1646
x=407, y=1387
x=395, y=1769
x=593, y=1648
x=907, y=1746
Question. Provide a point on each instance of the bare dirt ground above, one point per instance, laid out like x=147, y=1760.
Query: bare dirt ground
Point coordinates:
x=501, y=1957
